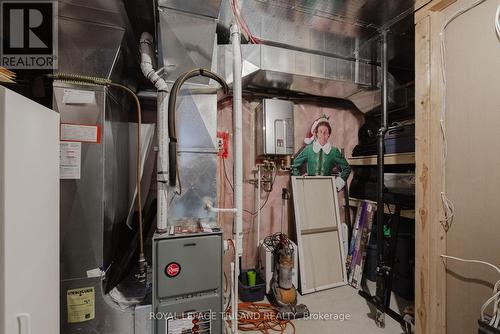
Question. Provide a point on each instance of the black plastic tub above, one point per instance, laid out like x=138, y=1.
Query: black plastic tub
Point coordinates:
x=485, y=328
x=248, y=293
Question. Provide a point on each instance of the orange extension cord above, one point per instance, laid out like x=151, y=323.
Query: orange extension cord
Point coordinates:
x=260, y=317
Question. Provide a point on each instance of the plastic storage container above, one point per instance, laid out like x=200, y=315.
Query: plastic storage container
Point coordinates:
x=248, y=293
x=370, y=270
x=485, y=328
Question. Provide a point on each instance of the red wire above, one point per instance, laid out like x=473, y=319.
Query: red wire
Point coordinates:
x=243, y=24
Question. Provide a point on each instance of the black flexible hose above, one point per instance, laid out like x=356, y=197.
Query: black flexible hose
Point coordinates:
x=172, y=109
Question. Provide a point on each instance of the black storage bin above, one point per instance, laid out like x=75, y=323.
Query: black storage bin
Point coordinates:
x=404, y=268
x=405, y=256
x=362, y=150
x=370, y=270
x=403, y=286
x=248, y=293
x=400, y=139
x=485, y=328
x=364, y=183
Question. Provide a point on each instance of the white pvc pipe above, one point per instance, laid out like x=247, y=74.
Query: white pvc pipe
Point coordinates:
x=238, y=162
x=213, y=209
x=146, y=49
x=233, y=303
x=258, y=206
x=147, y=56
x=207, y=203
x=222, y=209
x=162, y=162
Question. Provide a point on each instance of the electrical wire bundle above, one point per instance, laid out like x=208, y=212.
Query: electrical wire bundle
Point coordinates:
x=497, y=21
x=495, y=318
x=277, y=241
x=242, y=24
x=448, y=207
x=261, y=317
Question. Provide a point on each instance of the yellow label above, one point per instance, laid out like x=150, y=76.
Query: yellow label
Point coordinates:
x=81, y=304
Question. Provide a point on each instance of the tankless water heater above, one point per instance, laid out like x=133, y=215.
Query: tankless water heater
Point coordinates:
x=274, y=126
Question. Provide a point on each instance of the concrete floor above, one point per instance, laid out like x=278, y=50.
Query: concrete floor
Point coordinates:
x=343, y=301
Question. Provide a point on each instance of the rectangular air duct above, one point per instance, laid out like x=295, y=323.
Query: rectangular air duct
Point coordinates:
x=187, y=36
x=276, y=69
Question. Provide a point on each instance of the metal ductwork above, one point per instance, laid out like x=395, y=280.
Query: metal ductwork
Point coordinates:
x=92, y=37
x=94, y=40
x=278, y=69
x=324, y=48
x=208, y=8
x=187, y=35
x=341, y=28
x=187, y=39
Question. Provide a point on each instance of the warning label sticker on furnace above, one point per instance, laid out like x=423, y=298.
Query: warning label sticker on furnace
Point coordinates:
x=190, y=322
x=81, y=304
x=82, y=133
x=70, y=156
x=75, y=96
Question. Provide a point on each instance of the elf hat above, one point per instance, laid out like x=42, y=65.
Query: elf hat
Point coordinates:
x=311, y=134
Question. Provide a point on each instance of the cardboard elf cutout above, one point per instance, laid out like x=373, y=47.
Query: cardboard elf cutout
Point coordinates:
x=320, y=156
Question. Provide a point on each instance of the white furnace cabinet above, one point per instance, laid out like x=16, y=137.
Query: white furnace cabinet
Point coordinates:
x=29, y=216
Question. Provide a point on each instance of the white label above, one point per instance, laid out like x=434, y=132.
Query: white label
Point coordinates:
x=70, y=158
x=86, y=133
x=191, y=322
x=74, y=96
x=179, y=326
x=81, y=304
x=97, y=272
x=207, y=227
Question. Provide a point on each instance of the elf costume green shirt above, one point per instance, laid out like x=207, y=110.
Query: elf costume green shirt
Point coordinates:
x=321, y=160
